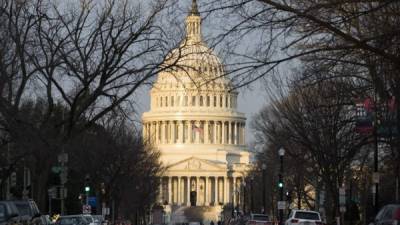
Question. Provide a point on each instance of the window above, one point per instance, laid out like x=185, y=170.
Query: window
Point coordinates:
x=215, y=101
x=193, y=100
x=226, y=101
x=208, y=101
x=185, y=102
x=220, y=101
x=178, y=101
x=166, y=101
x=161, y=101
x=201, y=100
x=307, y=215
x=172, y=101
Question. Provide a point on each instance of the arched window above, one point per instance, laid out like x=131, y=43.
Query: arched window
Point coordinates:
x=201, y=100
x=208, y=101
x=193, y=100
x=185, y=102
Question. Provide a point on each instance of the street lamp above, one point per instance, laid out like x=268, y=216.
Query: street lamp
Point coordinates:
x=252, y=194
x=281, y=153
x=264, y=168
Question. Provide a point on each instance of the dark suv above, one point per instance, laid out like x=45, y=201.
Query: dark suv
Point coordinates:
x=28, y=211
x=8, y=213
x=388, y=215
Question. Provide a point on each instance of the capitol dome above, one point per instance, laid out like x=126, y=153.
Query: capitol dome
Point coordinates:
x=194, y=122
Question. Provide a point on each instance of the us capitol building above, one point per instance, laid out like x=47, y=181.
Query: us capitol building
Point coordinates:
x=193, y=121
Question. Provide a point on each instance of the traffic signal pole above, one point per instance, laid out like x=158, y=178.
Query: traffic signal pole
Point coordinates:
x=281, y=190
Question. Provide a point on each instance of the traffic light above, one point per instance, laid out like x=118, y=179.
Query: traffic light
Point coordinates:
x=280, y=184
x=87, y=184
x=288, y=196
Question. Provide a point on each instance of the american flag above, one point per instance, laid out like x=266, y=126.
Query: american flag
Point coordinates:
x=197, y=129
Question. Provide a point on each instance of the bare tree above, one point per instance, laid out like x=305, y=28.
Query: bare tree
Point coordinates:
x=88, y=56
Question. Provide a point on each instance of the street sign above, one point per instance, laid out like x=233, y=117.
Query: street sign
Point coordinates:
x=86, y=209
x=281, y=204
x=52, y=192
x=375, y=177
x=92, y=201
x=63, y=158
x=106, y=211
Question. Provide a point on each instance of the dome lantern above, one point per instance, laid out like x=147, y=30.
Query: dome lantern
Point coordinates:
x=193, y=24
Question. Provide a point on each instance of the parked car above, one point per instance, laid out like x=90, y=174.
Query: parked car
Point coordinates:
x=90, y=219
x=258, y=219
x=98, y=219
x=304, y=217
x=8, y=213
x=28, y=211
x=388, y=215
x=73, y=220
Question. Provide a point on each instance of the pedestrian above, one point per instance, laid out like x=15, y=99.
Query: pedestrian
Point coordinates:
x=212, y=222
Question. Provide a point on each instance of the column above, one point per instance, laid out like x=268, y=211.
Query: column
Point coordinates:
x=180, y=132
x=188, y=191
x=173, y=138
x=215, y=190
x=223, y=132
x=179, y=191
x=230, y=132
x=244, y=133
x=234, y=191
x=169, y=190
x=225, y=192
x=206, y=191
x=197, y=190
x=162, y=132
x=161, y=192
x=190, y=132
x=157, y=132
x=234, y=133
x=205, y=132
x=197, y=134
x=215, y=132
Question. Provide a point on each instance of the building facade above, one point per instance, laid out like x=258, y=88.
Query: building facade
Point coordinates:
x=193, y=121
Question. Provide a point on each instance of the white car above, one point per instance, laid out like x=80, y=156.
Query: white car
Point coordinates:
x=304, y=217
x=258, y=219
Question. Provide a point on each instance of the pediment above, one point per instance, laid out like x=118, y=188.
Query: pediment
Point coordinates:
x=196, y=164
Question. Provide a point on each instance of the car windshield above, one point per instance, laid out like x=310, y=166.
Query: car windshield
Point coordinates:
x=2, y=213
x=307, y=215
x=23, y=209
x=71, y=221
x=260, y=217
x=98, y=218
x=89, y=219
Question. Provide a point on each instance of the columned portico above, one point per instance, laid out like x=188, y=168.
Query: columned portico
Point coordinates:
x=213, y=193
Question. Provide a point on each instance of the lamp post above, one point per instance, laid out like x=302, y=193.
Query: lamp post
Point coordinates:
x=281, y=153
x=244, y=197
x=251, y=194
x=264, y=168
